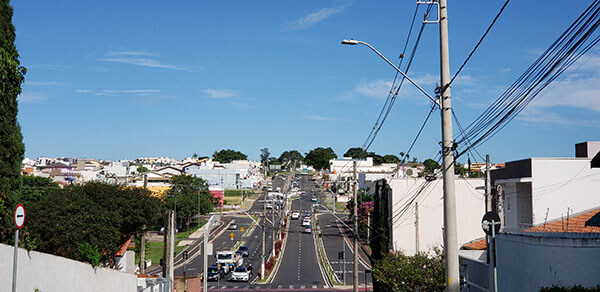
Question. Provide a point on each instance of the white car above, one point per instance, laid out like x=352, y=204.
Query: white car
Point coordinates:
x=296, y=215
x=240, y=274
x=307, y=229
x=306, y=222
x=314, y=199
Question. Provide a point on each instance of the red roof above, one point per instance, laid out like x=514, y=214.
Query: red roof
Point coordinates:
x=124, y=247
x=576, y=224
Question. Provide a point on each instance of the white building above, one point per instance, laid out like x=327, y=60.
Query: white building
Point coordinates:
x=536, y=190
x=408, y=192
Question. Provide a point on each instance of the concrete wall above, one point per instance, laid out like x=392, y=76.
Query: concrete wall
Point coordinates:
x=52, y=273
x=527, y=262
x=470, y=209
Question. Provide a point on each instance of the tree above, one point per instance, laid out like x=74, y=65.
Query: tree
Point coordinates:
x=430, y=165
x=356, y=153
x=377, y=159
x=390, y=158
x=226, y=156
x=264, y=155
x=288, y=158
x=421, y=272
x=82, y=222
x=319, y=157
x=273, y=161
x=195, y=155
x=142, y=169
x=192, y=197
x=11, y=139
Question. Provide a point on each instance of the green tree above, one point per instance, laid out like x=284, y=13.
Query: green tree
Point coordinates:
x=228, y=155
x=142, y=169
x=390, y=158
x=11, y=139
x=356, y=153
x=264, y=155
x=377, y=159
x=273, y=161
x=195, y=155
x=103, y=216
x=421, y=272
x=430, y=165
x=192, y=197
x=319, y=157
x=288, y=158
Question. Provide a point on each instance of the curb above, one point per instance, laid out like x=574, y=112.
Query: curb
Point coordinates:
x=279, y=259
x=318, y=248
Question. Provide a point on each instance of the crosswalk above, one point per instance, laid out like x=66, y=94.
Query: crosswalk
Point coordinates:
x=266, y=287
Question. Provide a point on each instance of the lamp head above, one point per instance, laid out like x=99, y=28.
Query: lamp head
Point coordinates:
x=349, y=42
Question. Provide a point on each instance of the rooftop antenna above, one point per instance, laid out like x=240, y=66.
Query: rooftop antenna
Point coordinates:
x=545, y=219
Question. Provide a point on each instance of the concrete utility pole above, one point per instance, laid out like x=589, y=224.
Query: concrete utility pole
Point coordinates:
x=417, y=227
x=170, y=249
x=488, y=184
x=273, y=231
x=262, y=264
x=355, y=270
x=450, y=232
x=143, y=238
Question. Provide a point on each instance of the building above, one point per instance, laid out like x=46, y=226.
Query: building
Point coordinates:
x=415, y=212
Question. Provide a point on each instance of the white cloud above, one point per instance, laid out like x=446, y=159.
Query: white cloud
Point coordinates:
x=320, y=118
x=318, y=16
x=50, y=83
x=542, y=116
x=32, y=97
x=113, y=92
x=376, y=88
x=221, y=93
x=144, y=62
x=130, y=53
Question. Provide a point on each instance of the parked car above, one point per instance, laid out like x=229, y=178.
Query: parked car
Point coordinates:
x=296, y=215
x=233, y=226
x=240, y=274
x=307, y=229
x=243, y=250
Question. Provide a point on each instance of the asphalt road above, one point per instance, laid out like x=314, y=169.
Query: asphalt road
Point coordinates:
x=300, y=265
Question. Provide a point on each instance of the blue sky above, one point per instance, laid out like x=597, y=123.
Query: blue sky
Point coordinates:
x=125, y=79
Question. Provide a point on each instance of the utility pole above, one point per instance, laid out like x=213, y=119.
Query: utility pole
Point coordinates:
x=143, y=238
x=273, y=231
x=417, y=227
x=450, y=232
x=355, y=271
x=488, y=184
x=262, y=265
x=170, y=249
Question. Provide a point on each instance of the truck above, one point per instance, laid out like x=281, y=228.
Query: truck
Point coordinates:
x=229, y=260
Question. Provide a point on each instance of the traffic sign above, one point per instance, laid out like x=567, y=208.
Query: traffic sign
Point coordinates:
x=19, y=216
x=231, y=235
x=242, y=229
x=487, y=220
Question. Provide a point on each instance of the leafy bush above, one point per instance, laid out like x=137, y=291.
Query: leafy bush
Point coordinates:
x=576, y=288
x=89, y=253
x=421, y=272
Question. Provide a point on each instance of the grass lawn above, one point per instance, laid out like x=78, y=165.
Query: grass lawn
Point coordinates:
x=339, y=206
x=154, y=249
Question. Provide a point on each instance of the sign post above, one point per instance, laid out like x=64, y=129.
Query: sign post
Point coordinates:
x=19, y=222
x=491, y=226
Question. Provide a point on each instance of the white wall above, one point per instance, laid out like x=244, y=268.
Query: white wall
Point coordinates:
x=527, y=262
x=561, y=183
x=470, y=209
x=52, y=273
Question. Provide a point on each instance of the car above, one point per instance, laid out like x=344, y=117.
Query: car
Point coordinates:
x=269, y=206
x=306, y=222
x=240, y=274
x=314, y=199
x=233, y=226
x=296, y=215
x=307, y=229
x=215, y=273
x=243, y=250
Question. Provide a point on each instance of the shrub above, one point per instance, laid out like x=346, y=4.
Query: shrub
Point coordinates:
x=421, y=272
x=277, y=246
x=576, y=288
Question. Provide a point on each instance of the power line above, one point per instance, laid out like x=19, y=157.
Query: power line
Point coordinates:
x=478, y=43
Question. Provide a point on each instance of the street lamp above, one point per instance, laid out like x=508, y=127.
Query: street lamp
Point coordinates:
x=356, y=42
